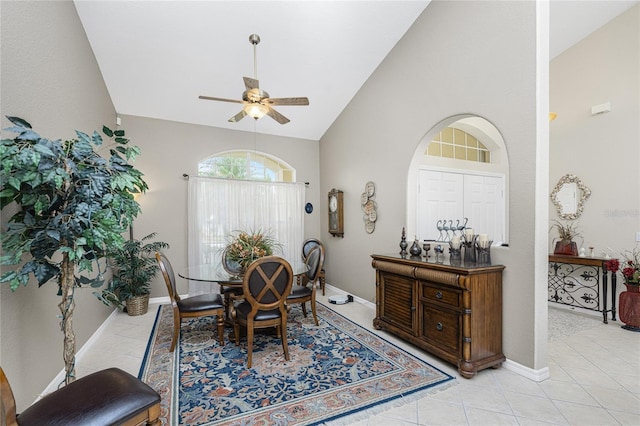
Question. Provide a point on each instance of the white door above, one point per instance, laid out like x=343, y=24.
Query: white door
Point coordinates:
x=484, y=205
x=456, y=196
x=440, y=197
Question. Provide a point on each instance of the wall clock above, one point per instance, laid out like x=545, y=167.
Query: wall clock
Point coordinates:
x=336, y=213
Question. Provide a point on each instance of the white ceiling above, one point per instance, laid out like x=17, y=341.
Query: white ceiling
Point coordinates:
x=157, y=57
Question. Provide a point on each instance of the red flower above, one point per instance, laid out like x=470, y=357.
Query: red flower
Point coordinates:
x=612, y=265
x=628, y=272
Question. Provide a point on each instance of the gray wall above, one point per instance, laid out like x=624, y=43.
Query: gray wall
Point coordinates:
x=485, y=67
x=602, y=150
x=51, y=79
x=170, y=149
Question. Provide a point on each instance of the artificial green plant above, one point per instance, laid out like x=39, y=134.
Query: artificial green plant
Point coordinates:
x=72, y=207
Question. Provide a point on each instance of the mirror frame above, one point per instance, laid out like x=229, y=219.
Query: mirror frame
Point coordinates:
x=584, y=194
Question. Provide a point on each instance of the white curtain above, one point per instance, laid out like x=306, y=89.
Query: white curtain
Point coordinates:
x=217, y=207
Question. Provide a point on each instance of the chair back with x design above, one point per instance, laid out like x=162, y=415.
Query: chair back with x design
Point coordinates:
x=266, y=285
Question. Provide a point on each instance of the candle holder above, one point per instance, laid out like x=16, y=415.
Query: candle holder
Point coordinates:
x=403, y=243
x=469, y=248
x=484, y=253
x=455, y=254
x=426, y=247
x=439, y=253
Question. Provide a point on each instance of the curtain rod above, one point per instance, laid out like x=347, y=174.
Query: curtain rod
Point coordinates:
x=186, y=176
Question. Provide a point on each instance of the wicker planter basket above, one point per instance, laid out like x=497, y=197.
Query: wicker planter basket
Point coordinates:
x=138, y=305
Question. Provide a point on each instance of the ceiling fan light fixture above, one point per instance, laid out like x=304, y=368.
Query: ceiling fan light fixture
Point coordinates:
x=256, y=110
x=257, y=102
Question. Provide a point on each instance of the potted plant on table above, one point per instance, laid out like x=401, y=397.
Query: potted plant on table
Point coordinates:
x=244, y=248
x=629, y=300
x=134, y=266
x=564, y=243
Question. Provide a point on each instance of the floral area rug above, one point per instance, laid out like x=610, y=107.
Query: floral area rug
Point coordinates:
x=338, y=372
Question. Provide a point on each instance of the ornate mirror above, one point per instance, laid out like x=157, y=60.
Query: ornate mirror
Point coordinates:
x=569, y=197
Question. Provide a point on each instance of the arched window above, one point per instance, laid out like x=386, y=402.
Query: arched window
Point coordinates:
x=246, y=165
x=458, y=144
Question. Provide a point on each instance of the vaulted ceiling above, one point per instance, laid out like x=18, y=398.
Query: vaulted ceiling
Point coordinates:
x=157, y=57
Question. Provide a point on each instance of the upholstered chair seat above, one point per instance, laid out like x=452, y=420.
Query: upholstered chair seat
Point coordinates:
x=107, y=397
x=200, y=302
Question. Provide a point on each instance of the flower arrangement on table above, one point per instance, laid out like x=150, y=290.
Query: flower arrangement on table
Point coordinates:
x=246, y=247
x=564, y=243
x=629, y=267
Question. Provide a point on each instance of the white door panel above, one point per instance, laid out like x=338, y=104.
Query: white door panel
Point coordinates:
x=439, y=198
x=455, y=196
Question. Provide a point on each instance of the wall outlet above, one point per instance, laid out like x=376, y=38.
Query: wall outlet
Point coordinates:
x=638, y=237
x=601, y=109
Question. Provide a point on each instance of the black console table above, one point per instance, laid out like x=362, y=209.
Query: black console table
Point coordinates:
x=575, y=281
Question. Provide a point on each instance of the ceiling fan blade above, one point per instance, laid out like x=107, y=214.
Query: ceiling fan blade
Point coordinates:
x=239, y=116
x=251, y=83
x=210, y=98
x=277, y=116
x=288, y=101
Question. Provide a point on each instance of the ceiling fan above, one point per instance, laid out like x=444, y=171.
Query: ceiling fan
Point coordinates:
x=257, y=102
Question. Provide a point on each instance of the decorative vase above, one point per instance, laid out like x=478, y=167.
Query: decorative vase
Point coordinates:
x=629, y=307
x=233, y=268
x=415, y=249
x=566, y=247
x=468, y=243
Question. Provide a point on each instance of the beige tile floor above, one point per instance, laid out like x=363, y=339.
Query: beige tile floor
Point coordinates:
x=595, y=377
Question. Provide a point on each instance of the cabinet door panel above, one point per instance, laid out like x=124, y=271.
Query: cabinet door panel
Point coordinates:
x=397, y=301
x=441, y=328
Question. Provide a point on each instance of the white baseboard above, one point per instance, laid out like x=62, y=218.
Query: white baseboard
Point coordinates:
x=55, y=383
x=355, y=298
x=59, y=378
x=535, y=375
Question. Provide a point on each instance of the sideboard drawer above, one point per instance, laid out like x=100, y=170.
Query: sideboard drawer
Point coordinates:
x=442, y=328
x=441, y=295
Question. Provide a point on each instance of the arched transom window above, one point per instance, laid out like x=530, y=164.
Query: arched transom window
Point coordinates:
x=458, y=144
x=246, y=165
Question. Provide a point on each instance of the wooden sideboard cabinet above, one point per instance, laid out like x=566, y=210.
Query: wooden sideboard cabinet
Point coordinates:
x=451, y=311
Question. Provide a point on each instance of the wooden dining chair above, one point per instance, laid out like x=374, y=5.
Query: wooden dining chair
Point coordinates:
x=190, y=307
x=266, y=285
x=307, y=246
x=106, y=397
x=306, y=290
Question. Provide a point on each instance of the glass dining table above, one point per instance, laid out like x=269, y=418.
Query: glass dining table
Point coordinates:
x=230, y=285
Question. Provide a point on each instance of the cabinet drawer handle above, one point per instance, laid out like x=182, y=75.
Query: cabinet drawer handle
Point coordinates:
x=439, y=326
x=439, y=295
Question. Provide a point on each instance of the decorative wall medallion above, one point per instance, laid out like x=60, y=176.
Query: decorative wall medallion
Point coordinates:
x=308, y=208
x=369, y=207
